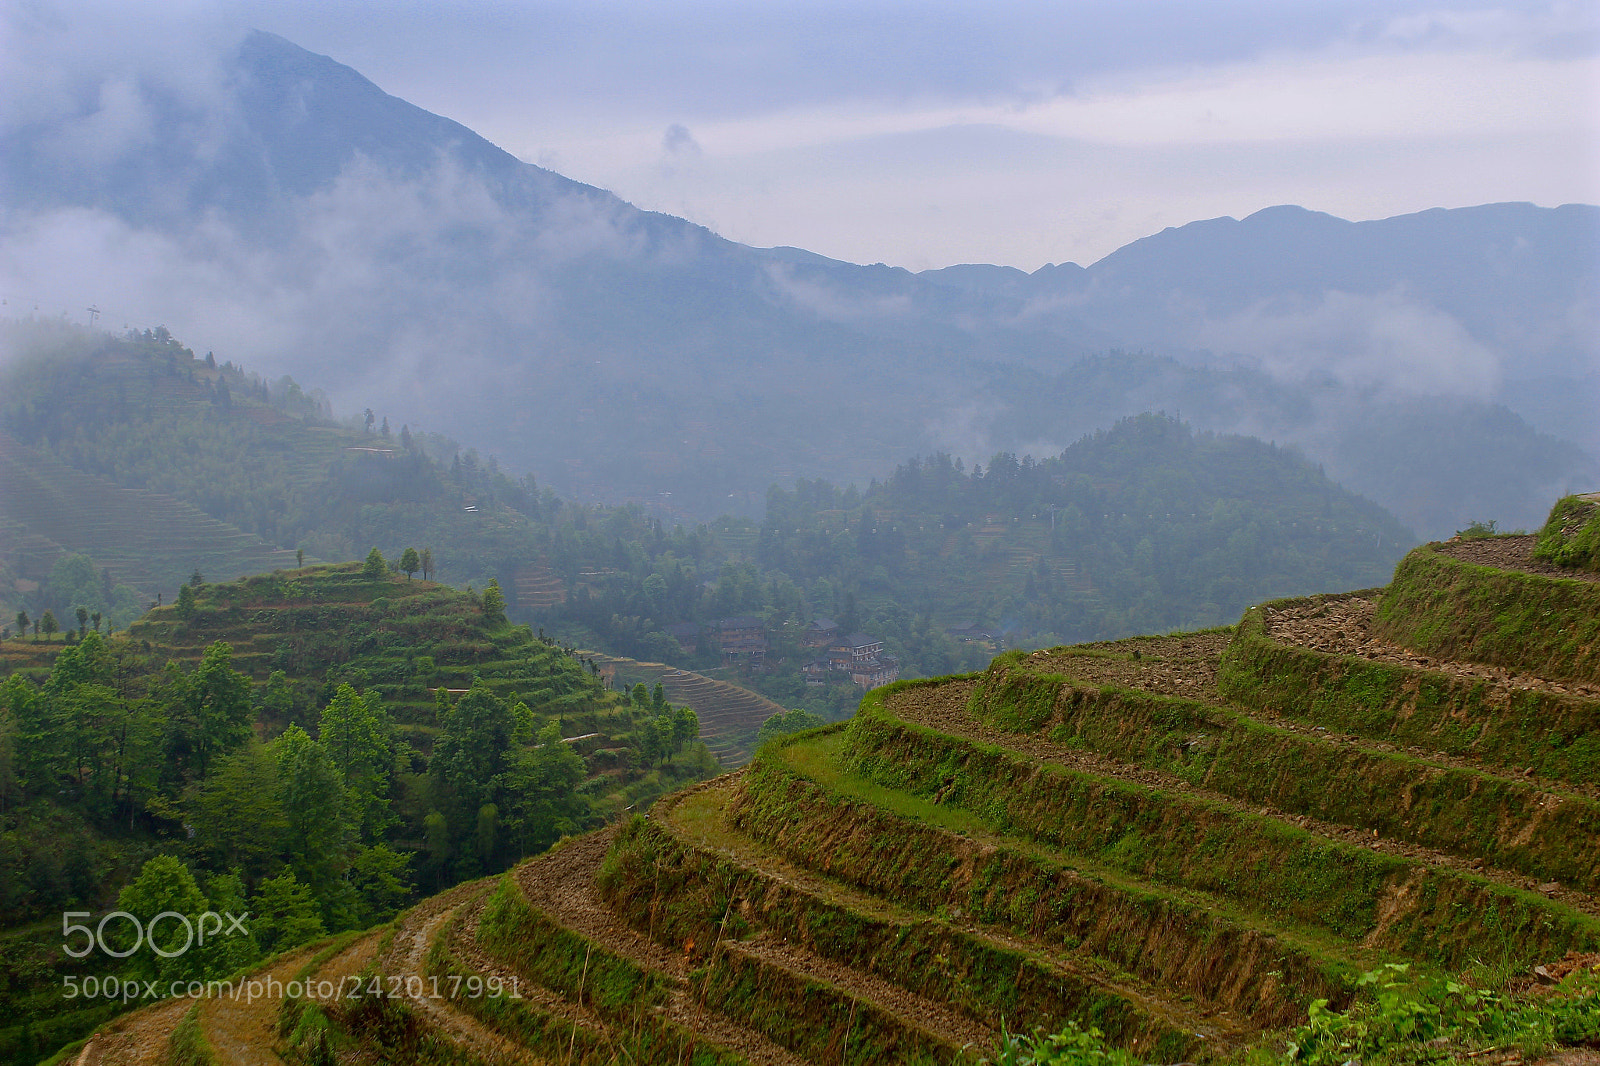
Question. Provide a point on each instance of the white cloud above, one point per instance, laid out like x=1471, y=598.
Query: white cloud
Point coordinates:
x=1385, y=343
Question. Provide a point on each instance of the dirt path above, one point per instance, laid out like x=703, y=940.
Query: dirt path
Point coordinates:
x=1186, y=666
x=562, y=884
x=944, y=708
x=1341, y=625
x=1509, y=553
x=243, y=1029
x=911, y=1010
x=464, y=945
x=404, y=959
x=137, y=1039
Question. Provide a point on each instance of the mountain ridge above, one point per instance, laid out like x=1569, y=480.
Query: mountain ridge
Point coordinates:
x=310, y=223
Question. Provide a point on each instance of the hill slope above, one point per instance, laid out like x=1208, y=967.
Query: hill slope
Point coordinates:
x=1179, y=842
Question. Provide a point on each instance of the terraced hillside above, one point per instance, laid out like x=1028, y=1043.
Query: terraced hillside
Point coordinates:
x=1180, y=841
x=730, y=716
x=146, y=539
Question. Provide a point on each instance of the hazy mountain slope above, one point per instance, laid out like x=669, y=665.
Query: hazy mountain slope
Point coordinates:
x=288, y=211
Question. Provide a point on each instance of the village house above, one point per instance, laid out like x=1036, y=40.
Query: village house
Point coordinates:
x=741, y=640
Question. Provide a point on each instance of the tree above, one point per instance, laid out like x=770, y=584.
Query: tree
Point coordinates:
x=197, y=579
x=318, y=840
x=356, y=732
x=208, y=713
x=48, y=624
x=238, y=815
x=427, y=564
x=94, y=618
x=284, y=914
x=186, y=602
x=164, y=884
x=374, y=569
x=494, y=603
x=410, y=562
x=83, y=619
x=379, y=876
x=23, y=622
x=299, y=557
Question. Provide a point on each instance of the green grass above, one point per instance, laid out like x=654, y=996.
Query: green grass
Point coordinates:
x=1553, y=734
x=1441, y=606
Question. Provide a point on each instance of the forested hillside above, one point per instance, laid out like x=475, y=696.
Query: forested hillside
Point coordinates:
x=1140, y=528
x=315, y=746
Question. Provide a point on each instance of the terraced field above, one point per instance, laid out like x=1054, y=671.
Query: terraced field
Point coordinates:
x=147, y=540
x=1181, y=841
x=730, y=715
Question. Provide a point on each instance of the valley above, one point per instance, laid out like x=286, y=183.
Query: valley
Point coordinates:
x=1174, y=843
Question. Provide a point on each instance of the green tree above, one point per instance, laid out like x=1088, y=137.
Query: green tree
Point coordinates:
x=82, y=614
x=426, y=562
x=494, y=603
x=380, y=878
x=208, y=713
x=168, y=953
x=319, y=836
x=48, y=623
x=374, y=569
x=238, y=815
x=186, y=602
x=358, y=736
x=786, y=722
x=23, y=622
x=284, y=914
x=410, y=562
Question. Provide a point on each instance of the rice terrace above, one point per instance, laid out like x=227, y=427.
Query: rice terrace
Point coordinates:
x=1361, y=827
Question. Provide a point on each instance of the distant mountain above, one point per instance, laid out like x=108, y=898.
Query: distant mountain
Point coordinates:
x=297, y=217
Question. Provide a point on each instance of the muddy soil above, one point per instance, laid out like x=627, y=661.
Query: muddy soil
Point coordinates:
x=138, y=1039
x=404, y=959
x=1168, y=666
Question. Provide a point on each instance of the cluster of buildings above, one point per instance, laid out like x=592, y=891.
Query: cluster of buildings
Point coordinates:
x=743, y=641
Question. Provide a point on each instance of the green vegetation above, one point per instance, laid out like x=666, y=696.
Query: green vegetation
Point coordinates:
x=1407, y=1019
x=1571, y=535
x=149, y=462
x=1554, y=734
x=1442, y=606
x=314, y=780
x=1461, y=811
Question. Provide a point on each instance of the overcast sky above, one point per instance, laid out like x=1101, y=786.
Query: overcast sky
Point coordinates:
x=923, y=134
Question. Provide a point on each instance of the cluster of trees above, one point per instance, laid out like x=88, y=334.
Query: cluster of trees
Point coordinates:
x=172, y=756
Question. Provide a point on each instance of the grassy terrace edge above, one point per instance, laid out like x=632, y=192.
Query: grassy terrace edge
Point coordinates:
x=799, y=799
x=1466, y=812
x=1553, y=734
x=1443, y=917
x=686, y=892
x=1440, y=605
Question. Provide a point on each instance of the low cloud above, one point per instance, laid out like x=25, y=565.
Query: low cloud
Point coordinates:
x=1385, y=343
